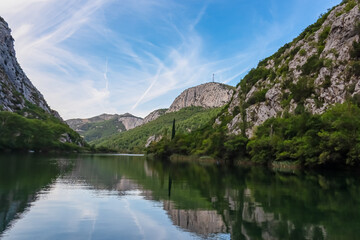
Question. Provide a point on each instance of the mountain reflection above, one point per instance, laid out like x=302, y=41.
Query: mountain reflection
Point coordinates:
x=22, y=177
x=246, y=203
x=203, y=222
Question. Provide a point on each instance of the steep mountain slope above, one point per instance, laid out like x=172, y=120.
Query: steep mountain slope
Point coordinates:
x=315, y=71
x=104, y=125
x=299, y=106
x=15, y=88
x=26, y=120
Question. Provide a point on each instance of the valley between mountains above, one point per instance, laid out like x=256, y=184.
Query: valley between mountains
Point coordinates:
x=299, y=106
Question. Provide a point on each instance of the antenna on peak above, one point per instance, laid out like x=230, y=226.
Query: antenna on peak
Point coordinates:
x=213, y=77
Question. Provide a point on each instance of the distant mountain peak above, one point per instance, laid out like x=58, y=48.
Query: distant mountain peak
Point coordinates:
x=207, y=95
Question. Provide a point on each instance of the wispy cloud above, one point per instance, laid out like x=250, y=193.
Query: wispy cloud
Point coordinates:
x=93, y=56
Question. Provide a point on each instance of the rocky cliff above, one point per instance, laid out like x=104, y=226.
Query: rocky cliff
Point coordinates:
x=317, y=69
x=154, y=115
x=208, y=95
x=28, y=123
x=15, y=88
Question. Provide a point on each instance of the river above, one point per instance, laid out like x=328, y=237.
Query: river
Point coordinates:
x=131, y=197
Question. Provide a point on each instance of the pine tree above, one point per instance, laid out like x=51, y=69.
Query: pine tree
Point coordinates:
x=173, y=130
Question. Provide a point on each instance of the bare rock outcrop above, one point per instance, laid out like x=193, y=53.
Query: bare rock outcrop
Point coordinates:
x=313, y=72
x=15, y=86
x=208, y=95
x=130, y=121
x=154, y=115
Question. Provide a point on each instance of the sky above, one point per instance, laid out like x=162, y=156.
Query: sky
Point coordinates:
x=89, y=57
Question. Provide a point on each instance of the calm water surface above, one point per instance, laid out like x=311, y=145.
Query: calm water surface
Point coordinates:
x=129, y=197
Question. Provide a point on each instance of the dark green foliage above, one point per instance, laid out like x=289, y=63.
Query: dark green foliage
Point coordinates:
x=205, y=141
x=355, y=68
x=173, y=130
x=327, y=82
x=294, y=52
x=302, y=89
x=98, y=130
x=258, y=96
x=236, y=110
x=324, y=35
x=294, y=138
x=134, y=140
x=322, y=39
x=253, y=77
x=20, y=133
x=329, y=139
x=283, y=70
x=355, y=52
x=312, y=65
x=302, y=52
x=350, y=5
x=356, y=99
x=357, y=28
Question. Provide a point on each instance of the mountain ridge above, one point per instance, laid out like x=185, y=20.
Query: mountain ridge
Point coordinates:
x=27, y=121
x=299, y=108
x=16, y=89
x=314, y=71
x=206, y=95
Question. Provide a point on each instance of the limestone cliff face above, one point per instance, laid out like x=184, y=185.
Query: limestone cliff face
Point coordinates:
x=15, y=86
x=318, y=69
x=154, y=115
x=208, y=95
x=130, y=121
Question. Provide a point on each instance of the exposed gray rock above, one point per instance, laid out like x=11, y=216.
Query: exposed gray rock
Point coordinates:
x=234, y=125
x=208, y=95
x=332, y=84
x=15, y=87
x=130, y=121
x=154, y=115
x=153, y=138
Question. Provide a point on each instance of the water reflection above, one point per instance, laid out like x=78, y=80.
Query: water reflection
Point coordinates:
x=22, y=178
x=206, y=201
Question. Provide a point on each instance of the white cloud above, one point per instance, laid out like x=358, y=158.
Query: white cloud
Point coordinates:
x=86, y=60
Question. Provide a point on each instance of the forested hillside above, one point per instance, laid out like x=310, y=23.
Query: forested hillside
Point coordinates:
x=300, y=105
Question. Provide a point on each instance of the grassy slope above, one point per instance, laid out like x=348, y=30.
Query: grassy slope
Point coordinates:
x=38, y=131
x=98, y=130
x=135, y=139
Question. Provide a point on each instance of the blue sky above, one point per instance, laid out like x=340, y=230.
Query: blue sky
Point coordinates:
x=89, y=57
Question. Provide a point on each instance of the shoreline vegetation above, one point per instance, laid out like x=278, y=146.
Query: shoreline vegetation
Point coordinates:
x=328, y=140
x=294, y=139
x=40, y=132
